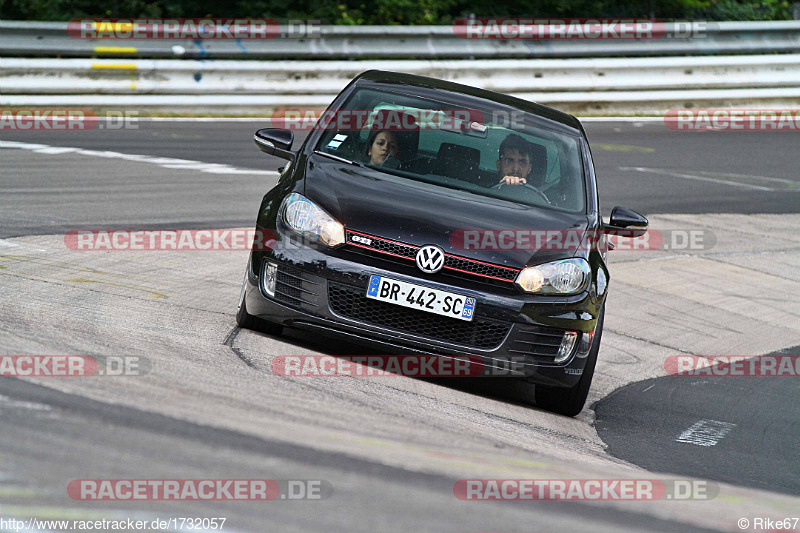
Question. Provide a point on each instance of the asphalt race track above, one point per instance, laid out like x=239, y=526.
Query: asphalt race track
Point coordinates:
x=762, y=456
x=388, y=450
x=642, y=165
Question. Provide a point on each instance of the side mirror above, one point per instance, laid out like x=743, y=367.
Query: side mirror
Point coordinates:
x=626, y=223
x=275, y=142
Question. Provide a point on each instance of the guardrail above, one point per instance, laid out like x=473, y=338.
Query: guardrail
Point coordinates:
x=392, y=42
x=102, y=76
x=593, y=85
x=543, y=71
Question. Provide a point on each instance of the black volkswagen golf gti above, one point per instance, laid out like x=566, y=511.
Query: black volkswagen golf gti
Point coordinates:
x=427, y=217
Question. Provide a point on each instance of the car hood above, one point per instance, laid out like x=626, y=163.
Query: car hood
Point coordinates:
x=419, y=213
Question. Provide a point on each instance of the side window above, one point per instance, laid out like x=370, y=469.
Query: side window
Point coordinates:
x=553, y=172
x=566, y=187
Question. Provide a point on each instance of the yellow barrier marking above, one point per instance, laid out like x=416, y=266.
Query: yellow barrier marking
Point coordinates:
x=115, y=50
x=625, y=148
x=113, y=27
x=115, y=66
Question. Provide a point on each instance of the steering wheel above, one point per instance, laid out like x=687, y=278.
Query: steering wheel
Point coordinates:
x=529, y=186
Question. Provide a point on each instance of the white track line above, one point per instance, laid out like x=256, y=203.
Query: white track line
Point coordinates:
x=163, y=162
x=702, y=178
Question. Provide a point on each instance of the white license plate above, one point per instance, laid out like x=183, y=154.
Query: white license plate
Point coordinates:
x=423, y=298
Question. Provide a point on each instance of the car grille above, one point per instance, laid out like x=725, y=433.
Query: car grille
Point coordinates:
x=289, y=286
x=350, y=302
x=540, y=343
x=451, y=262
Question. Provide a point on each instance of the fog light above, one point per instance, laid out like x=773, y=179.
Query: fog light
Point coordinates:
x=567, y=344
x=585, y=344
x=270, y=276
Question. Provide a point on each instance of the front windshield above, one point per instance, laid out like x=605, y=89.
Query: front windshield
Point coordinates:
x=489, y=150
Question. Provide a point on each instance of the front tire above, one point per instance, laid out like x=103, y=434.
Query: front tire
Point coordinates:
x=569, y=401
x=246, y=320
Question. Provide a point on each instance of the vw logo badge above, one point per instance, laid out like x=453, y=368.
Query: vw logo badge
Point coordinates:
x=430, y=259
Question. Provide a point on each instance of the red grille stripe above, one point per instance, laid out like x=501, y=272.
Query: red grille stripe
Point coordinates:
x=366, y=247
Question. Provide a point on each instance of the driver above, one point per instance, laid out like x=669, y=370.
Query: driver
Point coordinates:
x=515, y=161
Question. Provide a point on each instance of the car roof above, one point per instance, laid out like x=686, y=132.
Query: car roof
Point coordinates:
x=400, y=78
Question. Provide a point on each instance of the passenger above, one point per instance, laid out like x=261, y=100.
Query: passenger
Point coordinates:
x=382, y=147
x=515, y=161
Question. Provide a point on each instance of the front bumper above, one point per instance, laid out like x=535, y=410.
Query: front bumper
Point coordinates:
x=512, y=335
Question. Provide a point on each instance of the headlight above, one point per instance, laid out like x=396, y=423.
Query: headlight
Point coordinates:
x=569, y=276
x=309, y=220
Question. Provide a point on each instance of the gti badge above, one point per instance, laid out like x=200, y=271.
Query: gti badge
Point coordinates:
x=362, y=240
x=430, y=259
